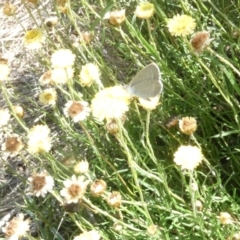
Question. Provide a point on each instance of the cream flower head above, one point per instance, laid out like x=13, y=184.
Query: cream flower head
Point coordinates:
x=77, y=110
x=181, y=25
x=81, y=167
x=39, y=139
x=188, y=157
x=40, y=184
x=145, y=10
x=34, y=39
x=89, y=74
x=4, y=117
x=4, y=69
x=225, y=218
x=91, y=235
x=16, y=228
x=74, y=189
x=48, y=97
x=62, y=75
x=149, y=104
x=62, y=58
x=111, y=102
x=116, y=18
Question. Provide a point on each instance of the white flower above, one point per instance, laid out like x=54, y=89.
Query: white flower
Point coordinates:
x=48, y=97
x=38, y=139
x=16, y=228
x=91, y=235
x=40, y=184
x=89, y=74
x=188, y=157
x=61, y=75
x=62, y=58
x=74, y=189
x=109, y=103
x=4, y=117
x=77, y=110
x=81, y=167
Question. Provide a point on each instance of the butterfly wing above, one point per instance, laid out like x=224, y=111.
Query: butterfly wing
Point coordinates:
x=147, y=82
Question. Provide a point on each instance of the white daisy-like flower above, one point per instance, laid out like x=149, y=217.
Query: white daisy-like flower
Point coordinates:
x=34, y=39
x=81, y=167
x=188, y=157
x=40, y=184
x=62, y=58
x=62, y=75
x=74, y=189
x=48, y=97
x=13, y=144
x=91, y=235
x=16, y=228
x=39, y=139
x=77, y=110
x=89, y=74
x=109, y=103
x=4, y=117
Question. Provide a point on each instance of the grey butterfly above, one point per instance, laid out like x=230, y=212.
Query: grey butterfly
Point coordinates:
x=147, y=83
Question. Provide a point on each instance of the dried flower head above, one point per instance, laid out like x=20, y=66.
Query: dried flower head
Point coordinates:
x=235, y=236
x=188, y=125
x=16, y=228
x=145, y=10
x=188, y=157
x=198, y=205
x=112, y=126
x=225, y=218
x=51, y=22
x=116, y=18
x=98, y=187
x=110, y=103
x=91, y=235
x=89, y=74
x=46, y=78
x=62, y=75
x=114, y=199
x=62, y=58
x=81, y=167
x=13, y=144
x=34, y=39
x=87, y=37
x=9, y=9
x=48, y=97
x=181, y=25
x=39, y=139
x=61, y=2
x=18, y=111
x=149, y=104
x=77, y=110
x=200, y=41
x=4, y=117
x=4, y=70
x=74, y=189
x=152, y=230
x=117, y=226
x=40, y=184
